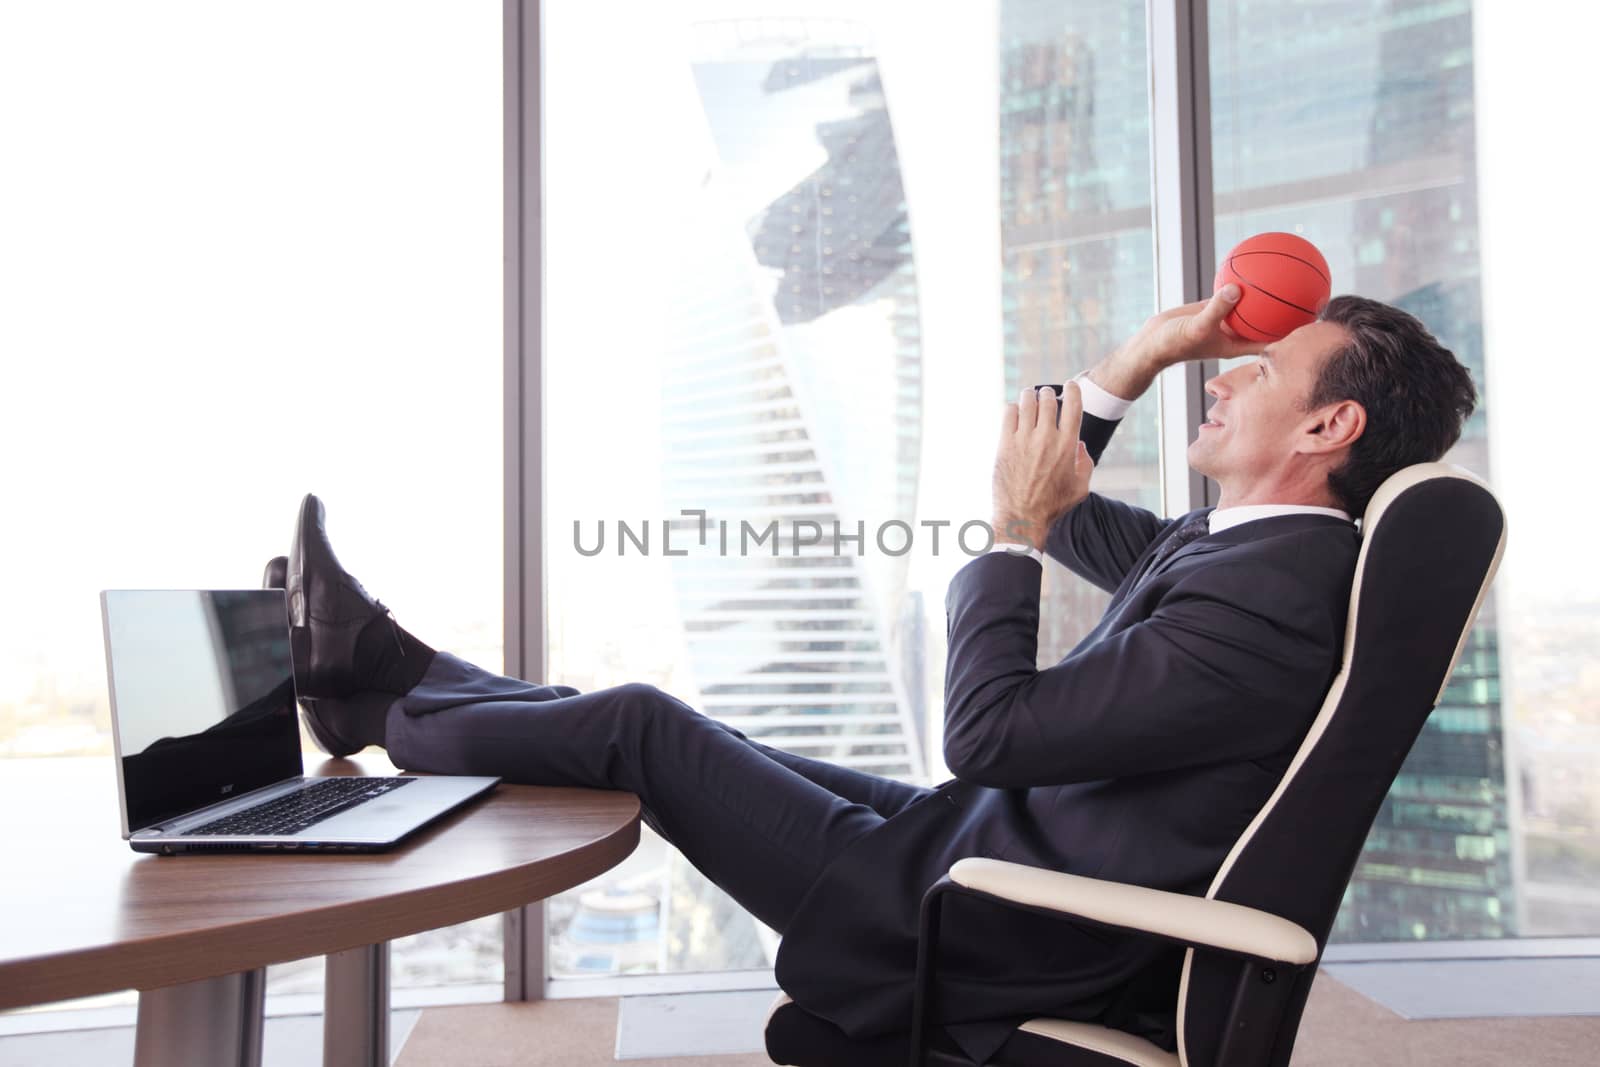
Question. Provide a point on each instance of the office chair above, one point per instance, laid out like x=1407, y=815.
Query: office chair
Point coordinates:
x=1432, y=538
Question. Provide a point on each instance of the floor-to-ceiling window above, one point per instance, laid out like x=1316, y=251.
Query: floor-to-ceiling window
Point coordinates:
x=246, y=253
x=797, y=257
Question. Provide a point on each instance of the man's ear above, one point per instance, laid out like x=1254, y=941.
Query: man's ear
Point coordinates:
x=1334, y=427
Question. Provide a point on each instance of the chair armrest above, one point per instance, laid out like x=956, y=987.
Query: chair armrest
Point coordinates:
x=1189, y=920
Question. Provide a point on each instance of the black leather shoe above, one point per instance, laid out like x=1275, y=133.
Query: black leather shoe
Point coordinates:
x=274, y=577
x=329, y=604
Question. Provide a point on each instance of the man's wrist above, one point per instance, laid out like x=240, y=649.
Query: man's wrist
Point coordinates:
x=1099, y=401
x=1018, y=550
x=1020, y=530
x=1126, y=373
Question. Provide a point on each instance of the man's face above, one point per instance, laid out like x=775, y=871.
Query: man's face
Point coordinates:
x=1256, y=421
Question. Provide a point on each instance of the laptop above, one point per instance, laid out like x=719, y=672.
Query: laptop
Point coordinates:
x=207, y=742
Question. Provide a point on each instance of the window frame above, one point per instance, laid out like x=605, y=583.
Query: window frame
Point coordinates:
x=526, y=975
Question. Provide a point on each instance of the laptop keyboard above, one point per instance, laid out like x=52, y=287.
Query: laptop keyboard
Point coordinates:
x=308, y=806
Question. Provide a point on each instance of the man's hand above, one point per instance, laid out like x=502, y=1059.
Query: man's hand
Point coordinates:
x=1042, y=470
x=1191, y=331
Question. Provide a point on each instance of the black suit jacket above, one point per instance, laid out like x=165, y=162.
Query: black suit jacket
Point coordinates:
x=1140, y=757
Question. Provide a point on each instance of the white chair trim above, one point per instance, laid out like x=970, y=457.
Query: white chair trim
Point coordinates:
x=1102, y=1039
x=1181, y=916
x=1392, y=488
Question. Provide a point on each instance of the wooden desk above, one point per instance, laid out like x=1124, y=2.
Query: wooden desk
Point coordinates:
x=81, y=913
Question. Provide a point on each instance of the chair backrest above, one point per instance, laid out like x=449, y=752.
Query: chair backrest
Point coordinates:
x=1431, y=542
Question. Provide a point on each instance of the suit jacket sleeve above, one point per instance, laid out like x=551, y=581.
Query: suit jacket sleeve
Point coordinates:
x=1231, y=665
x=1100, y=539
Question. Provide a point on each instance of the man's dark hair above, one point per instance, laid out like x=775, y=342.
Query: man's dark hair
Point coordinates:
x=1415, y=392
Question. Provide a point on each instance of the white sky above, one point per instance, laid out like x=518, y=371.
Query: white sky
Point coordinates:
x=604, y=208
x=1537, y=170
x=237, y=264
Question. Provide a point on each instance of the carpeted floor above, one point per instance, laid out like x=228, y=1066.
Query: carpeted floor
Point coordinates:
x=1341, y=1029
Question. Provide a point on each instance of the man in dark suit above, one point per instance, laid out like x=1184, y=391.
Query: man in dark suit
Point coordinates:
x=1138, y=758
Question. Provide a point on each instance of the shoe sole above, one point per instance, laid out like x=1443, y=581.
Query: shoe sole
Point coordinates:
x=324, y=741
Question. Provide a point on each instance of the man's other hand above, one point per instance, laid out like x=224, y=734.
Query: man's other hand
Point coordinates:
x=1042, y=469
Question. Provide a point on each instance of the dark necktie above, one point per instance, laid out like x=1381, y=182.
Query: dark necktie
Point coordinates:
x=1195, y=528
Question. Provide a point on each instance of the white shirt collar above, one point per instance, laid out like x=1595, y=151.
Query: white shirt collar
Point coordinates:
x=1225, y=518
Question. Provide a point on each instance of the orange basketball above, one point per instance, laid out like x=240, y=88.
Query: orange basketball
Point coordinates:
x=1283, y=283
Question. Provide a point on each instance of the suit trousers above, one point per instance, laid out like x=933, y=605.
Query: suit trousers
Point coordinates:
x=761, y=823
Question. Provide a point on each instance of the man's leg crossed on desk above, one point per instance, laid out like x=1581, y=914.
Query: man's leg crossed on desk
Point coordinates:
x=761, y=823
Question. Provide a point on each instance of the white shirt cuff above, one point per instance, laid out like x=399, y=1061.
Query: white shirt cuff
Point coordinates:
x=1020, y=550
x=1098, y=402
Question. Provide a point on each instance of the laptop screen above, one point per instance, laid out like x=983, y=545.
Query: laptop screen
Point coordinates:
x=202, y=697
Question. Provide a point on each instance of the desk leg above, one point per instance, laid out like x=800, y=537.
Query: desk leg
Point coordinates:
x=216, y=1020
x=355, y=1019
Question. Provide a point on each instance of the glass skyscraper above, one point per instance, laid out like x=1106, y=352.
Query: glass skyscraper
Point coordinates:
x=1077, y=268
x=792, y=381
x=791, y=415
